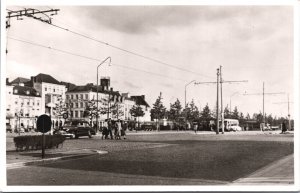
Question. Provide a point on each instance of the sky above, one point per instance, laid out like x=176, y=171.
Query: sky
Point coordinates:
x=184, y=43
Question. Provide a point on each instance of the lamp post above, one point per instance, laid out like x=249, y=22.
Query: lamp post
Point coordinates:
x=108, y=58
x=230, y=99
x=185, y=91
x=185, y=99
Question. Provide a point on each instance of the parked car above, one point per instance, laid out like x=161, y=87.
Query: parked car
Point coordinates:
x=79, y=128
x=64, y=133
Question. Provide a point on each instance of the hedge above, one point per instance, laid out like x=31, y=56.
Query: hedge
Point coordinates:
x=34, y=142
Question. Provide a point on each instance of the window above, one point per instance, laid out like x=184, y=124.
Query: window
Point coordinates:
x=81, y=105
x=9, y=92
x=81, y=96
x=81, y=113
x=33, y=103
x=15, y=91
x=76, y=105
x=77, y=96
x=28, y=103
x=71, y=96
x=86, y=96
x=16, y=102
x=76, y=113
x=67, y=97
x=54, y=90
x=71, y=105
x=45, y=89
x=71, y=114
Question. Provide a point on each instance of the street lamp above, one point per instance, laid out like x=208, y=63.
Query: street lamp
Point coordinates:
x=185, y=92
x=97, y=89
x=230, y=99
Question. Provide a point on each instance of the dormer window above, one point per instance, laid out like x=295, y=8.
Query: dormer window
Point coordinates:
x=27, y=92
x=37, y=94
x=15, y=91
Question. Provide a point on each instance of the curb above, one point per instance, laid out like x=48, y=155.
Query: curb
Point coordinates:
x=50, y=160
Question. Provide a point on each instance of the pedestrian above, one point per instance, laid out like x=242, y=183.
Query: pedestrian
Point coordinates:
x=105, y=130
x=283, y=127
x=195, y=127
x=110, y=128
x=188, y=126
x=118, y=130
x=123, y=131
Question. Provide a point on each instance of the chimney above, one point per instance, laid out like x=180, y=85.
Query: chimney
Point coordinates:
x=111, y=89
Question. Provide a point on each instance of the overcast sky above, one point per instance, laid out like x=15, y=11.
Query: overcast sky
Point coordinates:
x=253, y=43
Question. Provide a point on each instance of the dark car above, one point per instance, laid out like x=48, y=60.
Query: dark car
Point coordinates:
x=64, y=133
x=79, y=128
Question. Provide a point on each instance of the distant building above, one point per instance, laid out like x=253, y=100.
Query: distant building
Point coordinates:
x=52, y=92
x=23, y=105
x=78, y=98
x=140, y=100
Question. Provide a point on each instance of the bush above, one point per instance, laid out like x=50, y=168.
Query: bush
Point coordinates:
x=34, y=142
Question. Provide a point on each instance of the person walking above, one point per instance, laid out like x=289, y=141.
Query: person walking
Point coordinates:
x=109, y=128
x=283, y=127
x=195, y=127
x=118, y=129
x=124, y=128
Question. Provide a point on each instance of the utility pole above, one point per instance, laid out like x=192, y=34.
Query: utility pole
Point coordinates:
x=221, y=81
x=217, y=111
x=263, y=94
x=289, y=116
x=222, y=113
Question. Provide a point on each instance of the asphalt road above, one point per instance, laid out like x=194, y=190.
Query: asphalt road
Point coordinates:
x=166, y=159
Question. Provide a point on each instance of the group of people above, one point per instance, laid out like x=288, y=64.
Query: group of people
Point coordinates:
x=114, y=129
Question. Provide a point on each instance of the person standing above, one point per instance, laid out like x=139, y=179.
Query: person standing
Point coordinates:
x=109, y=128
x=118, y=129
x=195, y=127
x=283, y=127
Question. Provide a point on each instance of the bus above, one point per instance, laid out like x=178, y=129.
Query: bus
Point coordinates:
x=230, y=125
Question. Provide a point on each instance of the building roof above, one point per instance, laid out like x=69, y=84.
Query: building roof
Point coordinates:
x=92, y=88
x=140, y=100
x=46, y=78
x=20, y=80
x=68, y=85
x=25, y=91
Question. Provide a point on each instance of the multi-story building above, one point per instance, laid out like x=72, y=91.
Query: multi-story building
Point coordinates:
x=23, y=104
x=52, y=94
x=80, y=98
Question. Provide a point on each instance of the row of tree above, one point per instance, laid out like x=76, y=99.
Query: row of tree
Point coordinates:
x=191, y=113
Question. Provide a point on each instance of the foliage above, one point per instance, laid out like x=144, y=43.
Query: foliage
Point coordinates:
x=192, y=113
x=206, y=116
x=34, y=142
x=60, y=107
x=227, y=114
x=137, y=111
x=175, y=111
x=90, y=110
x=159, y=110
x=235, y=113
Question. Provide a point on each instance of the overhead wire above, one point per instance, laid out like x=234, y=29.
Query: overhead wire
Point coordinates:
x=90, y=58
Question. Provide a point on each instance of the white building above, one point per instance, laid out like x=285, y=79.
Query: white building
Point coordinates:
x=52, y=92
x=23, y=105
x=140, y=100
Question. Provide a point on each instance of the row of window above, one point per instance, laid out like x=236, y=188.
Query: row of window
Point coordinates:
x=76, y=114
x=28, y=103
x=53, y=90
x=77, y=96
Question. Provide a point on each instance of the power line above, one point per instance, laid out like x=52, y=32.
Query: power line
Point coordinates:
x=90, y=58
x=110, y=45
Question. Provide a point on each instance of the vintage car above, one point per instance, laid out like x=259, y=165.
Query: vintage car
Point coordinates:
x=79, y=128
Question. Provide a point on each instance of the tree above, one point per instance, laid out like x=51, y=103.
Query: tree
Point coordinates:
x=206, y=116
x=235, y=113
x=60, y=107
x=227, y=114
x=248, y=116
x=137, y=112
x=175, y=111
x=158, y=111
x=191, y=111
x=90, y=110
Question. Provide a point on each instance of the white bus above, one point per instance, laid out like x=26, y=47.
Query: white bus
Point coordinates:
x=230, y=125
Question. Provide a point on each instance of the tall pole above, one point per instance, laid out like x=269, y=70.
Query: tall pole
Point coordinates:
x=222, y=113
x=97, y=90
x=264, y=104
x=185, y=100
x=289, y=116
x=217, y=111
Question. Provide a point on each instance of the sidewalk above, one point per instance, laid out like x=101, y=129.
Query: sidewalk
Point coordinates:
x=279, y=172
